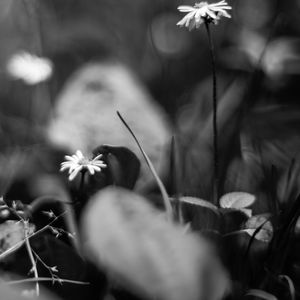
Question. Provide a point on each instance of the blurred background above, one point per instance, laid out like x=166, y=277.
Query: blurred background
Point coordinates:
x=170, y=61
x=93, y=46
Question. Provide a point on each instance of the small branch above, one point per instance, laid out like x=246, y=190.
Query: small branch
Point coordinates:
x=66, y=206
x=32, y=260
x=215, y=121
x=40, y=279
x=15, y=247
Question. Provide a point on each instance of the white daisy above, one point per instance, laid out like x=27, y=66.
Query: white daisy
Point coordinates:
x=29, y=68
x=203, y=12
x=77, y=163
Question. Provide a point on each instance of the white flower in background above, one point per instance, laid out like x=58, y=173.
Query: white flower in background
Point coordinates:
x=77, y=162
x=203, y=12
x=29, y=68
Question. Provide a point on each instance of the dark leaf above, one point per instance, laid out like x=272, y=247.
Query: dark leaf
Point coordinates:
x=123, y=165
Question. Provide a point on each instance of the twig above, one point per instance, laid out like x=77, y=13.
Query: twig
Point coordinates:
x=32, y=260
x=66, y=205
x=15, y=247
x=40, y=279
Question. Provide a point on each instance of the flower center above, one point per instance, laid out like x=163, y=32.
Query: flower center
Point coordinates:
x=84, y=162
x=201, y=4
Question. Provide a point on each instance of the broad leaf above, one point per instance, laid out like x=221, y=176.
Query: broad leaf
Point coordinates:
x=123, y=165
x=237, y=200
x=201, y=214
x=260, y=227
x=199, y=202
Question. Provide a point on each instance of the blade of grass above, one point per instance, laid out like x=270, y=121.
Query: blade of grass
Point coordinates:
x=165, y=196
x=291, y=286
x=257, y=230
x=174, y=186
x=261, y=294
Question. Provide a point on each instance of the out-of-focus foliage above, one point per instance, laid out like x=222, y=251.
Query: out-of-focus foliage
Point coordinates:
x=86, y=110
x=142, y=250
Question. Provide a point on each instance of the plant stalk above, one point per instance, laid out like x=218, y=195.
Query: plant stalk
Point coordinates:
x=215, y=121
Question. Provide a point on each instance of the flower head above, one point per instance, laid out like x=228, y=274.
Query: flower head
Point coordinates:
x=77, y=163
x=29, y=68
x=203, y=12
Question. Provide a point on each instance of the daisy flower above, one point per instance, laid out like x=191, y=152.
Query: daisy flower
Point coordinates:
x=203, y=12
x=77, y=163
x=29, y=68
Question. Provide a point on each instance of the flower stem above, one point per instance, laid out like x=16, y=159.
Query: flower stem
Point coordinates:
x=215, y=123
x=81, y=186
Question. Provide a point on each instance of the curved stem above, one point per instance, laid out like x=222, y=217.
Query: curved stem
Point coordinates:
x=165, y=196
x=215, y=121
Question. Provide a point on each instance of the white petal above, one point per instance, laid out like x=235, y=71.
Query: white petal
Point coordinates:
x=184, y=22
x=72, y=168
x=64, y=163
x=68, y=157
x=73, y=175
x=76, y=159
x=222, y=3
x=79, y=154
x=78, y=168
x=96, y=168
x=211, y=14
x=225, y=14
x=185, y=8
x=200, y=13
x=99, y=163
x=97, y=157
x=63, y=168
x=221, y=7
x=90, y=169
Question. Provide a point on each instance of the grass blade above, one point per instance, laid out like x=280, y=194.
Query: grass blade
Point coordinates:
x=165, y=196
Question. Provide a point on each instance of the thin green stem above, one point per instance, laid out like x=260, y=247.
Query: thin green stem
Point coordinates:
x=215, y=121
x=81, y=186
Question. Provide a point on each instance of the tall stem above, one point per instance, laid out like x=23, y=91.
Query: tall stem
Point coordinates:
x=215, y=123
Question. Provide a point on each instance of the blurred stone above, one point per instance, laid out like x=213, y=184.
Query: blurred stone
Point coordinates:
x=85, y=114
